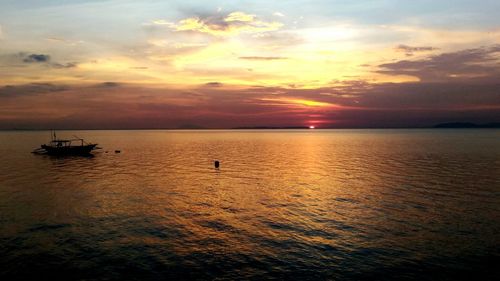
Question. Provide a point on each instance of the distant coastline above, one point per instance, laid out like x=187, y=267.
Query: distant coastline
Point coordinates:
x=465, y=125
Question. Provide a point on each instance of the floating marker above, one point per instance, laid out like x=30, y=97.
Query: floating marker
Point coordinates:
x=216, y=164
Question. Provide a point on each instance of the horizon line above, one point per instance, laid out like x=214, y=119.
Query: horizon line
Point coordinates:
x=448, y=125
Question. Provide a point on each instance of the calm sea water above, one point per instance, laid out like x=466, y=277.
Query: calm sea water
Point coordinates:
x=301, y=205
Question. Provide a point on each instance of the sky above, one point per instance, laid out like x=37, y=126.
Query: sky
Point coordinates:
x=224, y=63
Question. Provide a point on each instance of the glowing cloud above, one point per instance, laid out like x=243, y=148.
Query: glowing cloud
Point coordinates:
x=299, y=102
x=239, y=16
x=232, y=24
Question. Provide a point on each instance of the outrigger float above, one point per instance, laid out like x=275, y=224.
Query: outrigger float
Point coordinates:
x=60, y=147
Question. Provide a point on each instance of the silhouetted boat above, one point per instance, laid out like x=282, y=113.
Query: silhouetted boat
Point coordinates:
x=76, y=146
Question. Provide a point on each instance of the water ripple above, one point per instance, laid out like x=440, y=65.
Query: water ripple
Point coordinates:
x=294, y=205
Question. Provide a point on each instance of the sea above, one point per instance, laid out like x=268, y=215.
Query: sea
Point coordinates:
x=385, y=204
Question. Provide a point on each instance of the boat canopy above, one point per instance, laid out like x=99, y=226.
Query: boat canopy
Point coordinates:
x=67, y=142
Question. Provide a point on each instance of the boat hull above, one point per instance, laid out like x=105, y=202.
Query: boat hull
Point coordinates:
x=69, y=150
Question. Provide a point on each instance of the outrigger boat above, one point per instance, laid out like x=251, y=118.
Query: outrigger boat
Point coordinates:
x=76, y=146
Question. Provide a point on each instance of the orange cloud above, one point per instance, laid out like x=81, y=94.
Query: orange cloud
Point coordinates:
x=300, y=102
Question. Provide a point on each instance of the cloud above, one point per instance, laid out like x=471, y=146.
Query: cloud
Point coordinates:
x=240, y=17
x=64, y=65
x=65, y=41
x=349, y=104
x=218, y=25
x=214, y=84
x=278, y=14
x=480, y=64
x=263, y=58
x=409, y=50
x=10, y=91
x=22, y=59
x=160, y=22
x=163, y=22
x=406, y=48
x=297, y=102
x=109, y=84
x=36, y=58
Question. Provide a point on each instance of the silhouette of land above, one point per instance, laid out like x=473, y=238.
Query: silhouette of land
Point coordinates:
x=457, y=125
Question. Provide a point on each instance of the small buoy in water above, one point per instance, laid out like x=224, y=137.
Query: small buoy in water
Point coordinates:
x=216, y=164
x=117, y=151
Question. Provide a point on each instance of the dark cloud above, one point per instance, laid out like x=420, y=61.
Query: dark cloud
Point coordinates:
x=262, y=58
x=430, y=97
x=214, y=84
x=11, y=91
x=36, y=58
x=24, y=59
x=479, y=64
x=109, y=84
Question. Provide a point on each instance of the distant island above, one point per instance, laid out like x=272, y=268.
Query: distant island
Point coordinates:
x=454, y=125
